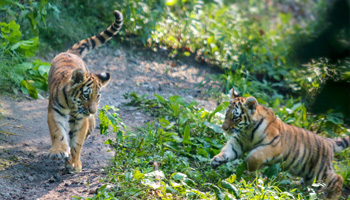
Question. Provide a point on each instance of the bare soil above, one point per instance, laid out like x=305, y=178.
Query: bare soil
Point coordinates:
x=25, y=170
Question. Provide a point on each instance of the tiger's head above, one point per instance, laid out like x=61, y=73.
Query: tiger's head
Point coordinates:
x=86, y=91
x=239, y=114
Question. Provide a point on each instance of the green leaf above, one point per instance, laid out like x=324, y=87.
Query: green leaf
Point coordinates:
x=240, y=170
x=108, y=142
x=272, y=170
x=186, y=53
x=219, y=108
x=179, y=176
x=216, y=189
x=186, y=136
x=335, y=118
x=30, y=88
x=214, y=127
x=231, y=188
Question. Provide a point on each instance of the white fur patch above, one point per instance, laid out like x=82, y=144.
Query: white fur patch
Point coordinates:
x=103, y=74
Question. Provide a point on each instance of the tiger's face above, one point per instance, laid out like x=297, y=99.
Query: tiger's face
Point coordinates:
x=86, y=91
x=239, y=114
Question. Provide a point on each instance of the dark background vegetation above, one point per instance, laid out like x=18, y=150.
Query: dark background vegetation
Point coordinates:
x=293, y=56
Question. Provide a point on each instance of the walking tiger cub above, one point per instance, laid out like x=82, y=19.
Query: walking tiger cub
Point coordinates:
x=255, y=129
x=74, y=95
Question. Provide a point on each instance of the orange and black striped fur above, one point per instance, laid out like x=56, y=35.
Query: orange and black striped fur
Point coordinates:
x=256, y=130
x=74, y=95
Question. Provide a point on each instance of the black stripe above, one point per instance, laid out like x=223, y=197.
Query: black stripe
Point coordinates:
x=88, y=85
x=72, y=133
x=339, y=143
x=314, y=158
x=324, y=157
x=259, y=142
x=270, y=123
x=346, y=142
x=57, y=102
x=101, y=38
x=57, y=111
x=113, y=29
x=256, y=127
x=309, y=154
x=93, y=43
x=60, y=123
x=81, y=49
x=296, y=155
x=62, y=138
x=306, y=145
x=86, y=44
x=109, y=34
x=116, y=26
x=271, y=141
x=239, y=142
x=73, y=119
x=65, y=95
x=233, y=149
x=290, y=149
x=78, y=144
x=332, y=182
x=73, y=148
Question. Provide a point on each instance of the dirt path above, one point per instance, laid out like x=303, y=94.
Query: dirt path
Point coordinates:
x=25, y=171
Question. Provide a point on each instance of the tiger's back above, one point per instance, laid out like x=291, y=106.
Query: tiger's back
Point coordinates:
x=255, y=129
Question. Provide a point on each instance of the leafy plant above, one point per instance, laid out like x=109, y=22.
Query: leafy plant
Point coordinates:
x=17, y=71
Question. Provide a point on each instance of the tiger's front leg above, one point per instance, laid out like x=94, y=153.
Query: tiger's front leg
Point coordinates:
x=59, y=138
x=79, y=128
x=232, y=150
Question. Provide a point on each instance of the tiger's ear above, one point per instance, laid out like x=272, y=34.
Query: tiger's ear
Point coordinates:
x=104, y=78
x=78, y=76
x=251, y=104
x=233, y=94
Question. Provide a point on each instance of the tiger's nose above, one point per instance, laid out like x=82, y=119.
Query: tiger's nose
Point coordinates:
x=92, y=109
x=225, y=126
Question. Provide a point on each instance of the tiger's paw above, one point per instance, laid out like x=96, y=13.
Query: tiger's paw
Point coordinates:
x=218, y=160
x=56, y=154
x=73, y=167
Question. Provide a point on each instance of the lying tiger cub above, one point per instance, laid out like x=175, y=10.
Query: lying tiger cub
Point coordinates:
x=75, y=93
x=256, y=129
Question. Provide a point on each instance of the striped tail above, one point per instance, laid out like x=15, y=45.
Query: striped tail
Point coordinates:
x=84, y=46
x=341, y=143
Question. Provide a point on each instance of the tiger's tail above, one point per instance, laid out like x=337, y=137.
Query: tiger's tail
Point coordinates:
x=341, y=143
x=84, y=46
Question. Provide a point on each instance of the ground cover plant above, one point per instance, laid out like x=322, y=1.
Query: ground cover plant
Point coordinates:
x=169, y=157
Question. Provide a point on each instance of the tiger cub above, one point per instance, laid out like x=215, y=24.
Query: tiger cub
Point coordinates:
x=255, y=129
x=74, y=95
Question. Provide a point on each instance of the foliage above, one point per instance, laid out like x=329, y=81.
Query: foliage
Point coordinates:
x=18, y=71
x=183, y=139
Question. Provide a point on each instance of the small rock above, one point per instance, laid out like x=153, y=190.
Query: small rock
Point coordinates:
x=7, y=195
x=93, y=191
x=30, y=178
x=117, y=53
x=46, y=185
x=57, y=177
x=52, y=180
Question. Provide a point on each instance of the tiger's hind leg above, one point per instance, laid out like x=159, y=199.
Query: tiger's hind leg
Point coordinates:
x=334, y=185
x=79, y=128
x=59, y=138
